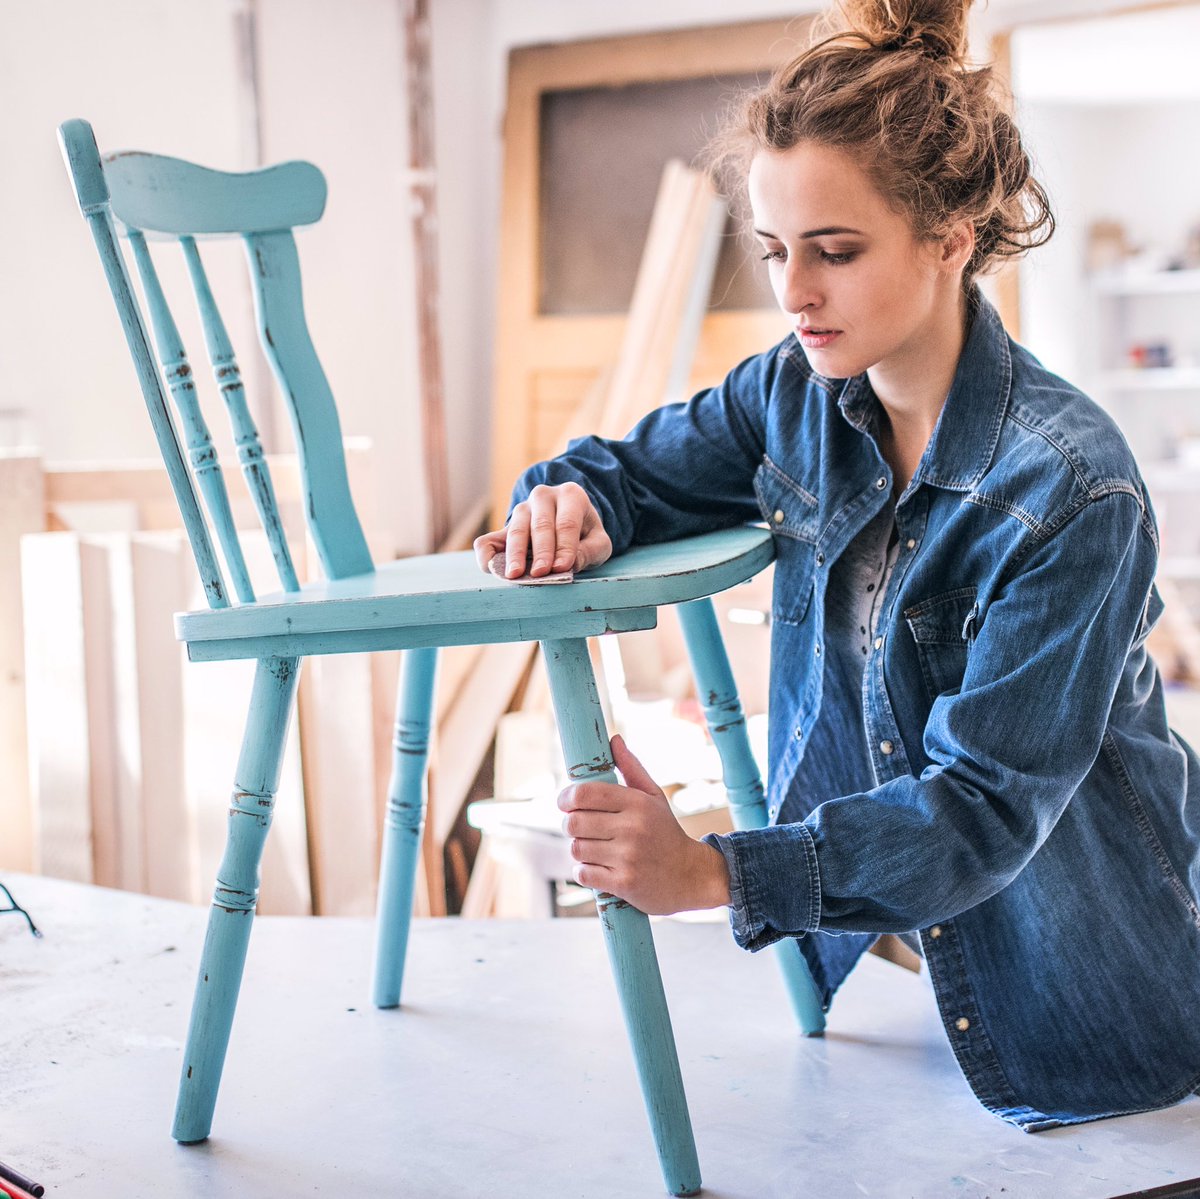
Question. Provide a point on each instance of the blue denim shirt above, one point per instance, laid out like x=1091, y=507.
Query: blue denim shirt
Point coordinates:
x=1024, y=805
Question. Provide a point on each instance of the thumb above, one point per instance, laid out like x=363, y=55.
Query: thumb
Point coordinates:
x=632, y=771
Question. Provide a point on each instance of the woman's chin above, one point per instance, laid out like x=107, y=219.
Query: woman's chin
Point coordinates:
x=832, y=364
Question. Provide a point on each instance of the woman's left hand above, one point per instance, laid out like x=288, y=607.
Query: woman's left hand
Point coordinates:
x=627, y=842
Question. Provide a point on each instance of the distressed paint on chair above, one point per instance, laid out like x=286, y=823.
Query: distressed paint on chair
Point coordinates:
x=415, y=605
x=627, y=933
x=743, y=784
x=91, y=191
x=245, y=435
x=404, y=820
x=224, y=954
x=202, y=454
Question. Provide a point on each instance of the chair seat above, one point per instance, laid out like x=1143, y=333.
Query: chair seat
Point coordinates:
x=444, y=599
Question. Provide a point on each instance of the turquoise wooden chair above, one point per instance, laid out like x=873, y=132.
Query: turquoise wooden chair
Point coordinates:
x=415, y=605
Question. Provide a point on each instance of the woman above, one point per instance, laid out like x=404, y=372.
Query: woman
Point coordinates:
x=968, y=741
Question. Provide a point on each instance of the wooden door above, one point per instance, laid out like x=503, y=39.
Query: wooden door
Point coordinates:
x=587, y=130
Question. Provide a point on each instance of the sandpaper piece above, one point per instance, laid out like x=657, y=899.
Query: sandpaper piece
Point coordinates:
x=496, y=566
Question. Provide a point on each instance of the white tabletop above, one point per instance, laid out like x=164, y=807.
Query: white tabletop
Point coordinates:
x=506, y=1073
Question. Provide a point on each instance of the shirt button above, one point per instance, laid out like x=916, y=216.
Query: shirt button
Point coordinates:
x=779, y=516
x=817, y=650
x=962, y=1024
x=886, y=747
x=799, y=734
x=911, y=543
x=820, y=559
x=936, y=931
x=881, y=483
x=879, y=643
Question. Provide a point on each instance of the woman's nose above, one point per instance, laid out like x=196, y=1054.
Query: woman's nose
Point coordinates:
x=796, y=290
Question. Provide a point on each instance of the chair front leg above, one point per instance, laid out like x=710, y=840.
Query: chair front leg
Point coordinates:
x=229, y=921
x=403, y=823
x=627, y=932
x=743, y=784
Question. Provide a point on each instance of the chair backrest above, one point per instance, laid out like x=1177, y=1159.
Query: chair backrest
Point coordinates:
x=150, y=197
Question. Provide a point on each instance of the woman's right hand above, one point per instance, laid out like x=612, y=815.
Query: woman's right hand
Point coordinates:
x=558, y=528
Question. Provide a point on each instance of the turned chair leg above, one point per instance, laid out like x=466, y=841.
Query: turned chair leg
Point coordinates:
x=627, y=932
x=403, y=823
x=236, y=893
x=727, y=725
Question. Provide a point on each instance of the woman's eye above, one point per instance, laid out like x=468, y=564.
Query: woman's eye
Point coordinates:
x=837, y=259
x=773, y=256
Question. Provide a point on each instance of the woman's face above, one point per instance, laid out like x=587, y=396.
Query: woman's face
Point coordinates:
x=861, y=290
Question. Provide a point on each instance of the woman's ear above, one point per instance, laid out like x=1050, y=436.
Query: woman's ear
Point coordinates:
x=958, y=244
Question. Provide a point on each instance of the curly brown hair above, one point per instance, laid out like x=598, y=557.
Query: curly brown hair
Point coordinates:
x=888, y=81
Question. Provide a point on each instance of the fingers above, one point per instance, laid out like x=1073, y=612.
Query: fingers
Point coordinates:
x=632, y=771
x=487, y=546
x=516, y=541
x=556, y=528
x=590, y=826
x=593, y=797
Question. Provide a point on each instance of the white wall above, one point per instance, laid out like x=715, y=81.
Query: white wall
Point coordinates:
x=61, y=353
x=164, y=76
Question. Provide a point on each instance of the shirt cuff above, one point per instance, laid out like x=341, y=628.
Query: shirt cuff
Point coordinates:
x=774, y=885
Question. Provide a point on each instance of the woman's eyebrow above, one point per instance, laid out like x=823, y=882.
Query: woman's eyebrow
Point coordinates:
x=825, y=232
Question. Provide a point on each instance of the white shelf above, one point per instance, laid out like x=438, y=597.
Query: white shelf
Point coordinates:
x=1146, y=283
x=1153, y=378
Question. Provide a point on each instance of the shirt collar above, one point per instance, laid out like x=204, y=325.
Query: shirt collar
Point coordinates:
x=968, y=428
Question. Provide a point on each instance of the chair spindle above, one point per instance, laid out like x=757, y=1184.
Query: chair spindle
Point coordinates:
x=91, y=190
x=202, y=454
x=249, y=448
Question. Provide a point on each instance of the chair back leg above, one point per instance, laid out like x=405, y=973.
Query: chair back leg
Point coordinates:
x=229, y=921
x=403, y=822
x=627, y=932
x=727, y=725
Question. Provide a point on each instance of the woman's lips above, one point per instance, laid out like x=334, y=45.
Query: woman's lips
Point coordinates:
x=815, y=339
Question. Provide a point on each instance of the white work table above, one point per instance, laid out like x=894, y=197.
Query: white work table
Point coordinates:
x=505, y=1074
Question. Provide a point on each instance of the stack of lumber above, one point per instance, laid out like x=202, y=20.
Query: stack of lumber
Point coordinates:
x=670, y=296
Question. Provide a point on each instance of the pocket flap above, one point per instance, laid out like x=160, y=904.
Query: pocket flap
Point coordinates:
x=949, y=618
x=789, y=508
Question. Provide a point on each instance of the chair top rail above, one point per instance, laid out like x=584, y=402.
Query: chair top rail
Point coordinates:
x=167, y=197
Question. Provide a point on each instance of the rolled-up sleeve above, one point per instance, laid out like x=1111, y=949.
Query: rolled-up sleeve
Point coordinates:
x=1008, y=749
x=774, y=886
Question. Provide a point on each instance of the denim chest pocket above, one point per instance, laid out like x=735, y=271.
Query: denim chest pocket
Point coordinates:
x=792, y=513
x=944, y=628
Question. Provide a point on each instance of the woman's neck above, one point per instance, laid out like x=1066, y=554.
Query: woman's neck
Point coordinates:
x=912, y=385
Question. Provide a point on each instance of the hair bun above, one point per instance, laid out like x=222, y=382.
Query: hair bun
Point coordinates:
x=935, y=28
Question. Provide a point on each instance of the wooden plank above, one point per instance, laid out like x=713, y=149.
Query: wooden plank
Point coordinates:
x=468, y=729
x=423, y=213
x=59, y=755
x=145, y=484
x=22, y=508
x=480, y=899
x=162, y=574
x=340, y=781
x=669, y=298
x=467, y=528
x=117, y=798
